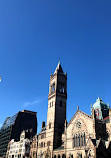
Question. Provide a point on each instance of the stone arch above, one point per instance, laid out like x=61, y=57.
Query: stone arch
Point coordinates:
x=63, y=156
x=79, y=155
x=70, y=155
x=58, y=156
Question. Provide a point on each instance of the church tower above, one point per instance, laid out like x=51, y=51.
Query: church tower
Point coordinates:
x=56, y=114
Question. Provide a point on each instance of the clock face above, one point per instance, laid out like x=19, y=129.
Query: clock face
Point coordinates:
x=78, y=124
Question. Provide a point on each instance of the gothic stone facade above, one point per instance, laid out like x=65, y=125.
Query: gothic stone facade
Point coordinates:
x=84, y=136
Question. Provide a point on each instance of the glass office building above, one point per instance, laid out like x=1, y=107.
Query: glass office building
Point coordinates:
x=13, y=126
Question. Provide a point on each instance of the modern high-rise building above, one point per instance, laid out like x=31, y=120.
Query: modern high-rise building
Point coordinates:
x=13, y=126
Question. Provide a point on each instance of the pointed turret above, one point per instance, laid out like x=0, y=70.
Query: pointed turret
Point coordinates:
x=58, y=68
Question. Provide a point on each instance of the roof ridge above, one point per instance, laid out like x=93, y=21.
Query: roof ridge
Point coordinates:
x=76, y=114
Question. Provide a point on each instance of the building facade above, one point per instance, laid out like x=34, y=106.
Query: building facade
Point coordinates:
x=85, y=136
x=13, y=126
x=33, y=147
x=20, y=149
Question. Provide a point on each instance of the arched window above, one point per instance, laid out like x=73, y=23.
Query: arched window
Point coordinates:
x=50, y=125
x=54, y=156
x=63, y=88
x=84, y=139
x=58, y=156
x=79, y=139
x=48, y=143
x=41, y=144
x=34, y=153
x=60, y=87
x=53, y=88
x=50, y=104
x=74, y=141
x=63, y=156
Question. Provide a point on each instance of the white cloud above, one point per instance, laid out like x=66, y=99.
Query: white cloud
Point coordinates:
x=30, y=103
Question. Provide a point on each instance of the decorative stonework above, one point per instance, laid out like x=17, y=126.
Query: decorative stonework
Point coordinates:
x=78, y=124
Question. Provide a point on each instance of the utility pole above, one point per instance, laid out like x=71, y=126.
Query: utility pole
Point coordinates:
x=0, y=78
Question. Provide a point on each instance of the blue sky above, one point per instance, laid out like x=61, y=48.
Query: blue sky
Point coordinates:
x=34, y=34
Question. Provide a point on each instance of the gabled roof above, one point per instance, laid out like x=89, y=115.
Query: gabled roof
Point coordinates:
x=78, y=111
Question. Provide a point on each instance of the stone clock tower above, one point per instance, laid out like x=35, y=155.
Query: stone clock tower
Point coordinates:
x=56, y=114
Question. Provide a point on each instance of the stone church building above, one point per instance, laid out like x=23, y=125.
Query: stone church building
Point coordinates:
x=85, y=136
